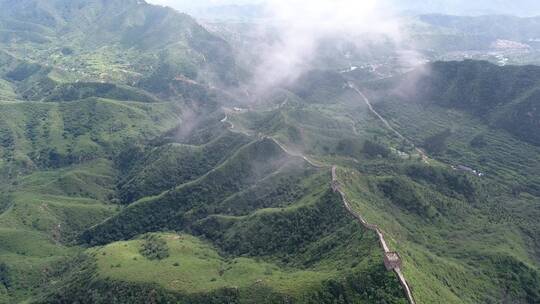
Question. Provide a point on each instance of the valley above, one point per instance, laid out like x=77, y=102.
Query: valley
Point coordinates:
x=141, y=163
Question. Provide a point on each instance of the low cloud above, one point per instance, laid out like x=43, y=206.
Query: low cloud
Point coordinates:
x=302, y=25
x=299, y=27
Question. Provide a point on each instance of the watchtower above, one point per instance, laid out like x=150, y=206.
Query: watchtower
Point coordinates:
x=392, y=260
x=335, y=185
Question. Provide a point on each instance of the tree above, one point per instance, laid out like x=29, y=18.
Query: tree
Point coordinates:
x=4, y=275
x=154, y=247
x=375, y=149
x=437, y=143
x=479, y=141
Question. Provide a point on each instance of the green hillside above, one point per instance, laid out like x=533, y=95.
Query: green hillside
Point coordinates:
x=54, y=45
x=504, y=97
x=135, y=168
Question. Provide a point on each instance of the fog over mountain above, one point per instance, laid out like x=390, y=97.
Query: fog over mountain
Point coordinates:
x=302, y=26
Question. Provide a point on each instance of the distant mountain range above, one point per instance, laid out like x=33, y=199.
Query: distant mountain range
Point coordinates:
x=468, y=8
x=127, y=41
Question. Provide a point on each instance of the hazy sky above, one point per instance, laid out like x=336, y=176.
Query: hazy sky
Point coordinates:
x=462, y=7
x=191, y=5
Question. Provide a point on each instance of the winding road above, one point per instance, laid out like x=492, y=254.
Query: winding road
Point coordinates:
x=424, y=156
x=309, y=161
x=370, y=106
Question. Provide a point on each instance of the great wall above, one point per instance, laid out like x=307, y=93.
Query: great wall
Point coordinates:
x=392, y=260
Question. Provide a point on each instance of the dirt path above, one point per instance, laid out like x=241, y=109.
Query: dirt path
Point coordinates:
x=231, y=126
x=226, y=119
x=311, y=162
x=424, y=156
x=353, y=125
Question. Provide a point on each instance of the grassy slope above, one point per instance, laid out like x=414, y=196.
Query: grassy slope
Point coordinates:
x=46, y=209
x=201, y=269
x=35, y=135
x=503, y=97
x=314, y=259
x=277, y=247
x=49, y=198
x=501, y=157
x=7, y=93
